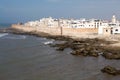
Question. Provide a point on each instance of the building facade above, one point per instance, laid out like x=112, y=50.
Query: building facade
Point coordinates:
x=104, y=27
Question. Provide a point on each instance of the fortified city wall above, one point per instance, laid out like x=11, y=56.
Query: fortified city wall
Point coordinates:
x=58, y=30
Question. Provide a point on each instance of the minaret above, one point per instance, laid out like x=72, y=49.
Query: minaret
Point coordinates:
x=113, y=19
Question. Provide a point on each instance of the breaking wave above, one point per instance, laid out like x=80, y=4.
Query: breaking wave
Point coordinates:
x=48, y=42
x=15, y=37
x=3, y=34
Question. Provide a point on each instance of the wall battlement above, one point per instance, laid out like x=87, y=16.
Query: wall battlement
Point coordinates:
x=57, y=30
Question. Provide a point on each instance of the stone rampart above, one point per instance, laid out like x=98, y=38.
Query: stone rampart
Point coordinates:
x=58, y=30
x=79, y=31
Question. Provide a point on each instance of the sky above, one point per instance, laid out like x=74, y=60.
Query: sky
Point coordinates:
x=14, y=11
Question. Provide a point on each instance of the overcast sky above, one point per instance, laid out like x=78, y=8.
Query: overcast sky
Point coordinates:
x=12, y=11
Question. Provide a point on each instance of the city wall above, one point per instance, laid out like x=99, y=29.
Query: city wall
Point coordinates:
x=79, y=31
x=58, y=30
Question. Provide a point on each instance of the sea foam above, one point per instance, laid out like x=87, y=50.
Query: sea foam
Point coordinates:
x=15, y=37
x=48, y=42
x=3, y=34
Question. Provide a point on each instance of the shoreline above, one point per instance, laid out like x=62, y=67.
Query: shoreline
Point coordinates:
x=105, y=43
x=108, y=42
x=94, y=46
x=112, y=38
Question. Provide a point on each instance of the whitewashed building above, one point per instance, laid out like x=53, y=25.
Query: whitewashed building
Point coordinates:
x=116, y=30
x=92, y=23
x=109, y=28
x=104, y=27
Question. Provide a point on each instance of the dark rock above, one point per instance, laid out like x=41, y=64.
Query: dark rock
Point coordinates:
x=110, y=70
x=85, y=52
x=94, y=54
x=109, y=55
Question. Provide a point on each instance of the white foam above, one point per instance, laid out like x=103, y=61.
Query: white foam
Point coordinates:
x=3, y=34
x=15, y=37
x=48, y=42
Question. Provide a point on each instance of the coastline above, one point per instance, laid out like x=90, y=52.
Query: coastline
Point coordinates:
x=105, y=44
x=24, y=30
x=17, y=29
x=81, y=45
x=108, y=42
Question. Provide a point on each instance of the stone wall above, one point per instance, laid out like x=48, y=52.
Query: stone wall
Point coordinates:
x=58, y=30
x=79, y=31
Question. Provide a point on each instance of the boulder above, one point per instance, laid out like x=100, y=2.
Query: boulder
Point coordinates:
x=109, y=55
x=85, y=52
x=110, y=70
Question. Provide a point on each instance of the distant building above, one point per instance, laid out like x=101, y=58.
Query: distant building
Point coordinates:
x=112, y=28
x=113, y=19
x=104, y=27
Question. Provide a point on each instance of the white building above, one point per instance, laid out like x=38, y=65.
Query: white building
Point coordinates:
x=32, y=23
x=116, y=30
x=101, y=25
x=112, y=27
x=49, y=22
x=92, y=23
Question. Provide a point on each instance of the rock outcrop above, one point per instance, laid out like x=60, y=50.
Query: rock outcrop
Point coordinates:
x=110, y=70
x=84, y=47
x=110, y=55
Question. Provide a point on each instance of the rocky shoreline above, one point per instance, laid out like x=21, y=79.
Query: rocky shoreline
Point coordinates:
x=90, y=47
x=110, y=70
x=80, y=46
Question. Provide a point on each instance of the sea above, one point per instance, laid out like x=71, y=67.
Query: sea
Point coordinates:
x=24, y=57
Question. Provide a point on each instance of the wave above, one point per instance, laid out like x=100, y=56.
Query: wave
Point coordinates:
x=3, y=34
x=48, y=42
x=15, y=37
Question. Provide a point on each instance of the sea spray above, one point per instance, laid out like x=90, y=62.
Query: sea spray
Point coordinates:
x=15, y=37
x=3, y=34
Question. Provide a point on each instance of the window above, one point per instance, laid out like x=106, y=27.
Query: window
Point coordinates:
x=106, y=30
x=116, y=29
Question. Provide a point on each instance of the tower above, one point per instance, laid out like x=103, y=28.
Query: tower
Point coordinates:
x=113, y=19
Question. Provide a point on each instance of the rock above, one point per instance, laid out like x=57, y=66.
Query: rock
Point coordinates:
x=85, y=52
x=110, y=70
x=60, y=49
x=62, y=46
x=75, y=52
x=62, y=38
x=86, y=47
x=94, y=54
x=109, y=55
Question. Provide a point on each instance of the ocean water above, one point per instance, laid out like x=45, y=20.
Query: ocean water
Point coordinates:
x=30, y=58
x=4, y=25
